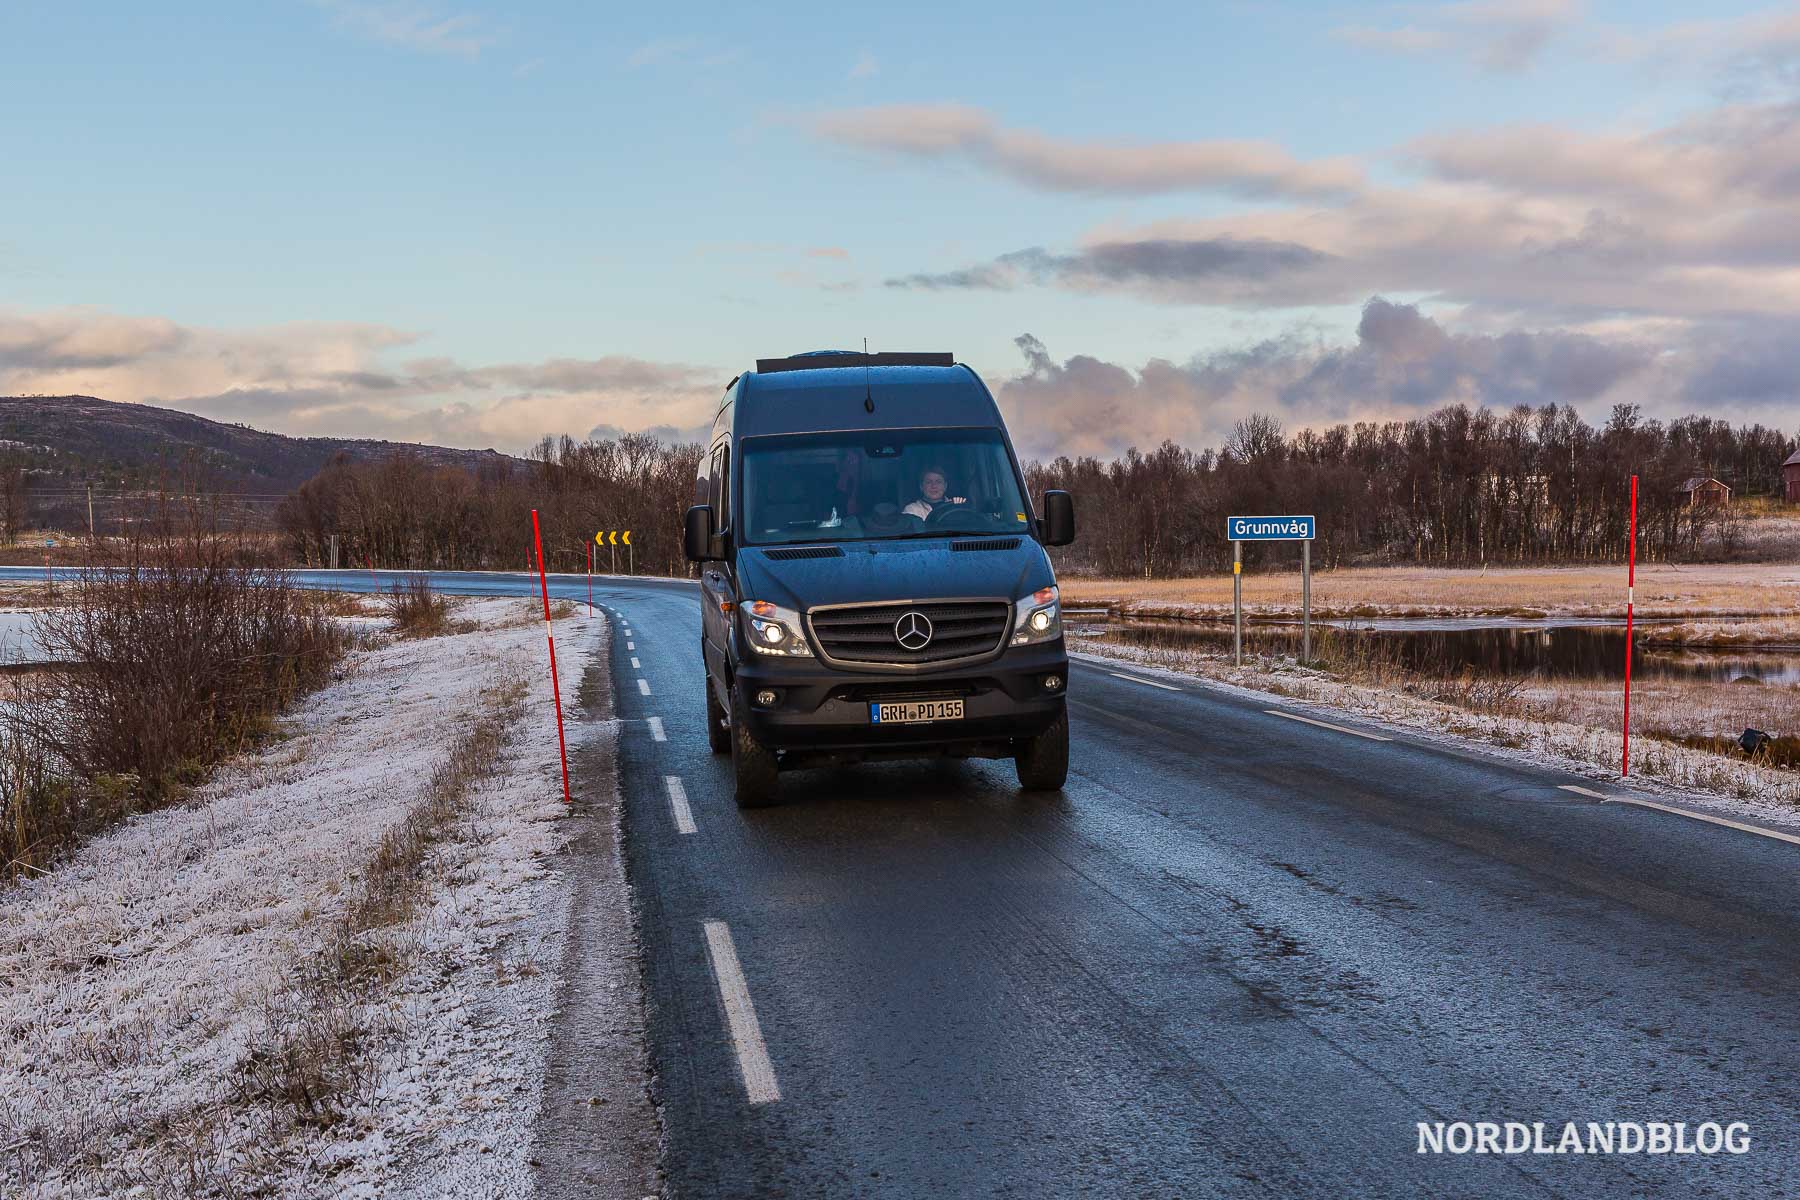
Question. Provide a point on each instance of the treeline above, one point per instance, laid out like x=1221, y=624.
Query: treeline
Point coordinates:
x=405, y=513
x=1460, y=487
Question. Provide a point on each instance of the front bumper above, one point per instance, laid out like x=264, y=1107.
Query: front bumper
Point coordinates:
x=826, y=709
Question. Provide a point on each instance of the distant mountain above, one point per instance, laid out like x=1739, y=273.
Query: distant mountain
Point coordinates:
x=81, y=438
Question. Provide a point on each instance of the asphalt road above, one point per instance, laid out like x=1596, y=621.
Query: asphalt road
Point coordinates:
x=1239, y=954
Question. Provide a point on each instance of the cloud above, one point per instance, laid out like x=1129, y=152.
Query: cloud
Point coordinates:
x=1502, y=36
x=410, y=26
x=1403, y=363
x=1219, y=270
x=865, y=66
x=682, y=50
x=660, y=51
x=958, y=133
x=1699, y=219
x=338, y=379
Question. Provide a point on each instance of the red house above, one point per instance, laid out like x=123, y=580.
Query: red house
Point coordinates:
x=1790, y=477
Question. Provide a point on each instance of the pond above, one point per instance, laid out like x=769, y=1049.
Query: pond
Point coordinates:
x=1573, y=650
x=16, y=642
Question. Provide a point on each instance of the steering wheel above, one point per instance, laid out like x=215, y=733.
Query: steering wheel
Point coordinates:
x=885, y=517
x=941, y=511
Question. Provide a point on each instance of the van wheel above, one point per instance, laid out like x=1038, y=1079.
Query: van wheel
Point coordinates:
x=718, y=737
x=1043, y=761
x=753, y=764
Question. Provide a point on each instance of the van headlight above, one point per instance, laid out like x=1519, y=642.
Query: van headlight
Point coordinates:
x=1037, y=617
x=772, y=629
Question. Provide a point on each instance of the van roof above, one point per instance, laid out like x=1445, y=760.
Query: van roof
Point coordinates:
x=794, y=399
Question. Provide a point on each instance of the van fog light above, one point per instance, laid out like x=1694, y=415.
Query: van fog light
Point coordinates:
x=765, y=698
x=1040, y=621
x=1053, y=683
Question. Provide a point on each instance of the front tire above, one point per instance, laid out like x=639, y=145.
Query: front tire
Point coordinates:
x=752, y=763
x=1043, y=761
x=718, y=737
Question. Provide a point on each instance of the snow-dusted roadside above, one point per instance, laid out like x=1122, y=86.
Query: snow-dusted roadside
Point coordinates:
x=137, y=976
x=1697, y=778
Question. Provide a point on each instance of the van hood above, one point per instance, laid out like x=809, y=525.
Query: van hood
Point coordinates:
x=905, y=569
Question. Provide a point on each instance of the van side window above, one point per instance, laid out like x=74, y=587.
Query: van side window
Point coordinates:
x=712, y=485
x=722, y=506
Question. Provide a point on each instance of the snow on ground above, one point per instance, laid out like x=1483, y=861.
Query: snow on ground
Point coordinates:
x=1696, y=778
x=138, y=974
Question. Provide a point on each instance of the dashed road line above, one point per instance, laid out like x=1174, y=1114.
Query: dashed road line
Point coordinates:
x=634, y=664
x=1373, y=737
x=631, y=645
x=643, y=687
x=740, y=1014
x=678, y=804
x=1167, y=687
x=1759, y=830
x=656, y=730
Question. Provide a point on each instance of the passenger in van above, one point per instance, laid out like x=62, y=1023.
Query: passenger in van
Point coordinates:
x=932, y=486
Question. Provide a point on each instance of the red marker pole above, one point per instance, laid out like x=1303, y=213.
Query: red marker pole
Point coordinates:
x=1630, y=587
x=562, y=746
x=372, y=579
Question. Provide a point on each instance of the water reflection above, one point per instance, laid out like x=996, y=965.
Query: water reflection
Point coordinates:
x=1568, y=651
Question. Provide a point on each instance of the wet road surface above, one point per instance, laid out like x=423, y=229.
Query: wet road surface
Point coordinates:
x=1239, y=955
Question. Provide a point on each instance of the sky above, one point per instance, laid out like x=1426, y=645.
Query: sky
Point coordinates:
x=474, y=225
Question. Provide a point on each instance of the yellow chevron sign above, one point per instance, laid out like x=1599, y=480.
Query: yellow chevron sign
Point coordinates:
x=613, y=537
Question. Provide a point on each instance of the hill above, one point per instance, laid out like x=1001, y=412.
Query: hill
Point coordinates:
x=126, y=452
x=82, y=437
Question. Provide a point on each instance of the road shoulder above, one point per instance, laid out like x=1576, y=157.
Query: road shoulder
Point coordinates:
x=598, y=1133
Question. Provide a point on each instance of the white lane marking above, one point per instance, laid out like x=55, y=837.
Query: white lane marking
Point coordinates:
x=1373, y=737
x=644, y=687
x=631, y=645
x=740, y=1014
x=656, y=730
x=1167, y=687
x=1759, y=830
x=634, y=664
x=678, y=804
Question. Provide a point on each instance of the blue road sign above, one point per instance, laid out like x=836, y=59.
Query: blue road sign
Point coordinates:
x=1269, y=529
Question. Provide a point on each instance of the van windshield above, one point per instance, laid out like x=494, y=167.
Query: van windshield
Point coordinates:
x=890, y=484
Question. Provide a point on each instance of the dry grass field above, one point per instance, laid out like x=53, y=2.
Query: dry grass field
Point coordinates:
x=1691, y=592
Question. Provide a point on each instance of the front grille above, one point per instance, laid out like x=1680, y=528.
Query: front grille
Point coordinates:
x=864, y=633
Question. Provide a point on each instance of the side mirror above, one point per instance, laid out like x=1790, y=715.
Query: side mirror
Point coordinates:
x=1059, y=518
x=697, y=533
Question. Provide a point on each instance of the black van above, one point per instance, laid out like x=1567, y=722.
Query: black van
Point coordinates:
x=873, y=580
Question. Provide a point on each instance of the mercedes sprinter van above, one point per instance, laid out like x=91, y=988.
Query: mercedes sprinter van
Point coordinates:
x=872, y=573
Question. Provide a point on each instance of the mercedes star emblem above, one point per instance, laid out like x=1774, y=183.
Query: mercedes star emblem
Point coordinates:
x=913, y=631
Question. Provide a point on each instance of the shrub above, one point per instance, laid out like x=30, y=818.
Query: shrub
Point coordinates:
x=416, y=610
x=180, y=656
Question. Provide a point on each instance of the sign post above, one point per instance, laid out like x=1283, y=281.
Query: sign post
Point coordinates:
x=1237, y=603
x=1630, y=587
x=1270, y=529
x=611, y=538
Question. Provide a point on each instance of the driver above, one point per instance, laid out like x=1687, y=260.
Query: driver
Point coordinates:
x=932, y=486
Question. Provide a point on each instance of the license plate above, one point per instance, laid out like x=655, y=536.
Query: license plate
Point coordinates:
x=913, y=712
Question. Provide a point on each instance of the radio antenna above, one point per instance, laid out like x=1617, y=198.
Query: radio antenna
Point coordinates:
x=868, y=393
